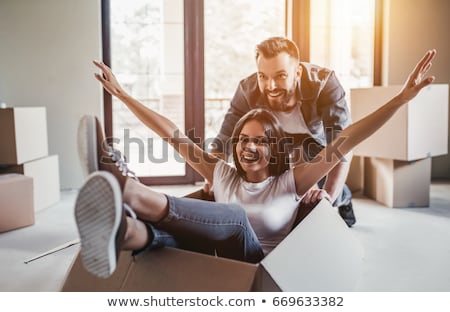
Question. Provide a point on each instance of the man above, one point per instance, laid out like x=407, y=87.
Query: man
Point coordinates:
x=309, y=102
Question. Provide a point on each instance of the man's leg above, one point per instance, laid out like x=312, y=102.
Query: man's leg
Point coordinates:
x=309, y=149
x=344, y=204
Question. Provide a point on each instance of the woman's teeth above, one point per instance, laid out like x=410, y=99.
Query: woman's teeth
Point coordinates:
x=248, y=156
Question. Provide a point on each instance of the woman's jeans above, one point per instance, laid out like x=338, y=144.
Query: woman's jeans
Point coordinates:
x=207, y=227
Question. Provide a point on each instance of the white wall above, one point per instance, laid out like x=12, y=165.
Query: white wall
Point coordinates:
x=46, y=48
x=415, y=26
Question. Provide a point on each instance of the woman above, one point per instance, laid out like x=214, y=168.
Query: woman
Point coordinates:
x=234, y=226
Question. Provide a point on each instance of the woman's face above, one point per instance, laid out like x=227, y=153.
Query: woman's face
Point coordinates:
x=253, y=151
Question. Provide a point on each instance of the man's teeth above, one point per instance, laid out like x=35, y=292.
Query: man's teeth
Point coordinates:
x=275, y=94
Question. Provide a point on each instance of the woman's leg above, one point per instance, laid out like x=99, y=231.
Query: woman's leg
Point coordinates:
x=148, y=205
x=210, y=225
x=195, y=224
x=136, y=236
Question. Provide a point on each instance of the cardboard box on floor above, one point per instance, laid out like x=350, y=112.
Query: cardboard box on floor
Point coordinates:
x=45, y=174
x=320, y=254
x=397, y=183
x=24, y=134
x=417, y=130
x=16, y=201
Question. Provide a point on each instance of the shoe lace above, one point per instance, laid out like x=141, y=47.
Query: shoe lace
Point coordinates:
x=121, y=162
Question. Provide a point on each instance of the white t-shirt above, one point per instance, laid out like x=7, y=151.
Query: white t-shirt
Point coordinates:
x=270, y=205
x=293, y=121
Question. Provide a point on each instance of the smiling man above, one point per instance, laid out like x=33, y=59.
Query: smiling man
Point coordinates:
x=310, y=104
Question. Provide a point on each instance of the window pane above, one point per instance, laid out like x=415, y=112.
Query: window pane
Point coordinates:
x=342, y=39
x=147, y=58
x=231, y=34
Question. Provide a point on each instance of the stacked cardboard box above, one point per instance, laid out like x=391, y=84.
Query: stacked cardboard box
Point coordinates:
x=24, y=151
x=16, y=201
x=397, y=164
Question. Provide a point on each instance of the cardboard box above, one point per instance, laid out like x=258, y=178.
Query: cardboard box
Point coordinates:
x=23, y=135
x=417, y=130
x=45, y=174
x=396, y=183
x=320, y=254
x=16, y=202
x=355, y=177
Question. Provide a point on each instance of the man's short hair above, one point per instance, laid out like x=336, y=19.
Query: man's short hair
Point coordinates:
x=273, y=46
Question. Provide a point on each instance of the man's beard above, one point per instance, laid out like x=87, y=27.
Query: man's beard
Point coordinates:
x=281, y=103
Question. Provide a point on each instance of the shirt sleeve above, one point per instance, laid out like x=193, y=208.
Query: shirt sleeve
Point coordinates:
x=223, y=175
x=333, y=108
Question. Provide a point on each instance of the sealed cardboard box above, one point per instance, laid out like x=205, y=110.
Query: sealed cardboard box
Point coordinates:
x=397, y=183
x=417, y=130
x=23, y=134
x=45, y=174
x=16, y=201
x=320, y=254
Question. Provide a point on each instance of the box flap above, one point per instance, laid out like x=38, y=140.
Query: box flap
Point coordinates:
x=263, y=281
x=78, y=279
x=168, y=269
x=320, y=254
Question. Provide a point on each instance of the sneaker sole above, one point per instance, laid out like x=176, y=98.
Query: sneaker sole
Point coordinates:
x=98, y=213
x=87, y=144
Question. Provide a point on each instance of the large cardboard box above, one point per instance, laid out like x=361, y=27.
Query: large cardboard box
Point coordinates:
x=320, y=254
x=45, y=174
x=397, y=183
x=23, y=135
x=16, y=202
x=418, y=130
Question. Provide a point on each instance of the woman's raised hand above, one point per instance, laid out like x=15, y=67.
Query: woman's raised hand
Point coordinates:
x=416, y=80
x=108, y=80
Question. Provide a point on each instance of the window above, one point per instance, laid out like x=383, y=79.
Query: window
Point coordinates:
x=147, y=44
x=231, y=35
x=342, y=39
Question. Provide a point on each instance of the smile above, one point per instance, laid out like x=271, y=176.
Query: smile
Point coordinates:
x=274, y=94
x=249, y=157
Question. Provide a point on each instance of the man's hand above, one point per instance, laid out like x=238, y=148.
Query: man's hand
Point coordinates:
x=313, y=197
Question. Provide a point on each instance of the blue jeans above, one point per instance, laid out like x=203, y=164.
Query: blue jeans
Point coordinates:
x=207, y=227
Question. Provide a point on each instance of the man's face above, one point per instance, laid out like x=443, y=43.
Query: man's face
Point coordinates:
x=277, y=79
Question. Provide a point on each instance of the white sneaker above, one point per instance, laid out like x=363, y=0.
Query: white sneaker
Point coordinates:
x=101, y=223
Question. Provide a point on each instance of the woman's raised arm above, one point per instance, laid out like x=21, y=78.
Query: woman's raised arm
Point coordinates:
x=307, y=174
x=196, y=157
